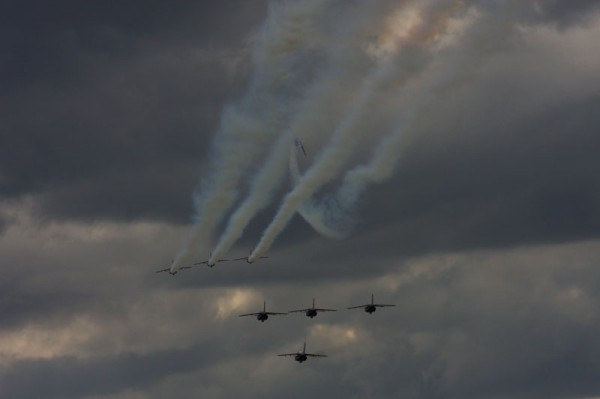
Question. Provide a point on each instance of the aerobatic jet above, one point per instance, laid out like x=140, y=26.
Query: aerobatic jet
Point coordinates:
x=299, y=145
x=312, y=312
x=264, y=315
x=302, y=356
x=247, y=259
x=172, y=273
x=370, y=307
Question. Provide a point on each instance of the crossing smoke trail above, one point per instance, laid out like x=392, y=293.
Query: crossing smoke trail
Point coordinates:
x=327, y=97
x=432, y=20
x=249, y=126
x=310, y=209
x=453, y=67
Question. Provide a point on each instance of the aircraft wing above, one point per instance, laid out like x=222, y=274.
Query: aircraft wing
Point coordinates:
x=206, y=261
x=287, y=354
x=244, y=258
x=325, y=310
x=168, y=269
x=163, y=270
x=298, y=310
x=379, y=305
x=202, y=263
x=250, y=314
x=274, y=313
x=359, y=306
x=314, y=355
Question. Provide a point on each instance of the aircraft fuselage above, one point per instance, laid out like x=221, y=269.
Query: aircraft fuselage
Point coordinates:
x=311, y=313
x=300, y=357
x=262, y=316
x=370, y=309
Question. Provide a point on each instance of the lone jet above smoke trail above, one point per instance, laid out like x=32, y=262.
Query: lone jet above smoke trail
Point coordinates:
x=302, y=356
x=300, y=146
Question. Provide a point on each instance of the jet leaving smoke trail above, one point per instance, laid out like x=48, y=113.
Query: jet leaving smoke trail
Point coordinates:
x=355, y=124
x=332, y=91
x=249, y=126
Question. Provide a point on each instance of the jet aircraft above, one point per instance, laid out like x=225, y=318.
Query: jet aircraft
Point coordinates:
x=264, y=315
x=370, y=307
x=172, y=273
x=247, y=259
x=312, y=312
x=301, y=356
x=300, y=146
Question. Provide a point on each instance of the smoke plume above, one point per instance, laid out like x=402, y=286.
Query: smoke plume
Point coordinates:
x=250, y=125
x=342, y=77
x=412, y=47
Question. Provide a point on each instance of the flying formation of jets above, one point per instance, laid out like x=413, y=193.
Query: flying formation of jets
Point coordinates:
x=204, y=262
x=263, y=315
x=312, y=312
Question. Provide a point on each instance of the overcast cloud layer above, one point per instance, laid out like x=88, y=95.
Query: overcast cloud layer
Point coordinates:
x=485, y=234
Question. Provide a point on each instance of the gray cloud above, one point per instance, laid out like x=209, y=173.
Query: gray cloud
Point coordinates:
x=486, y=237
x=150, y=93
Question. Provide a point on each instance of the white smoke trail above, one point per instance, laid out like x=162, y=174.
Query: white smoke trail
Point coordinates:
x=432, y=21
x=248, y=127
x=328, y=96
x=474, y=42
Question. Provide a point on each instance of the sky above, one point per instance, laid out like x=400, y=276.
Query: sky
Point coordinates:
x=451, y=169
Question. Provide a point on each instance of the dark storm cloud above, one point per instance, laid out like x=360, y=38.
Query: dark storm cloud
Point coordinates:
x=518, y=324
x=18, y=307
x=508, y=159
x=547, y=348
x=95, y=94
x=76, y=378
x=567, y=13
x=46, y=42
x=510, y=185
x=161, y=192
